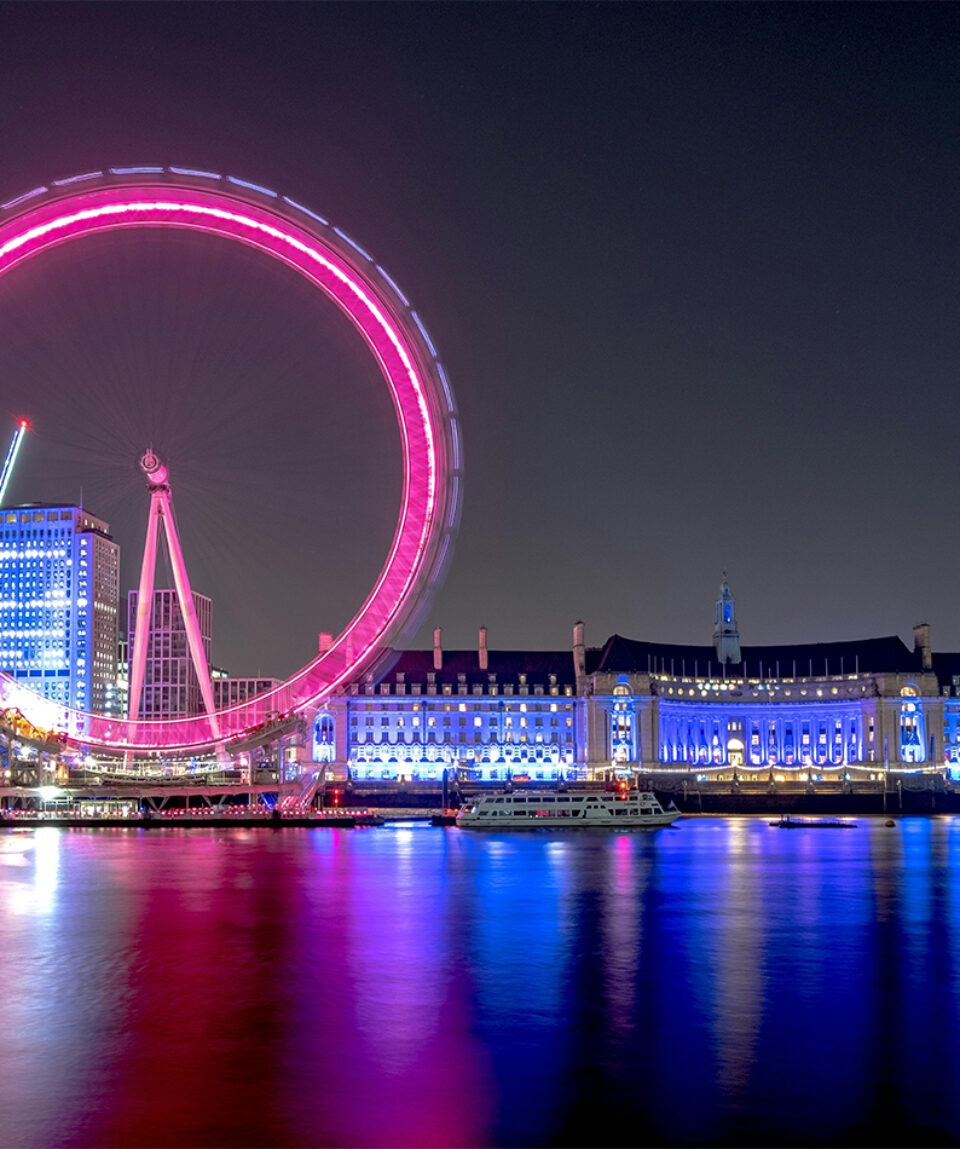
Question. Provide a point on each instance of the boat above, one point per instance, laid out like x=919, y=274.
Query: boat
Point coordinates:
x=526, y=809
x=788, y=823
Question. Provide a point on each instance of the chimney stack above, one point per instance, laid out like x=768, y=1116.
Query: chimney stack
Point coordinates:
x=921, y=644
x=483, y=648
x=437, y=650
x=326, y=641
x=579, y=652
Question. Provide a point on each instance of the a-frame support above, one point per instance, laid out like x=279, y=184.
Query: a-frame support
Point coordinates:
x=161, y=516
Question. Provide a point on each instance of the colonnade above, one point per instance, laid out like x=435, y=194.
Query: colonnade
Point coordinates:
x=719, y=736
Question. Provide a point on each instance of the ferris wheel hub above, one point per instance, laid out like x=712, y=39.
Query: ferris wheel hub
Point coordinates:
x=151, y=466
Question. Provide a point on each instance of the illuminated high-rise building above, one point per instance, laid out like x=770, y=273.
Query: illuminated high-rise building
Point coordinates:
x=118, y=690
x=171, y=688
x=59, y=588
x=229, y=691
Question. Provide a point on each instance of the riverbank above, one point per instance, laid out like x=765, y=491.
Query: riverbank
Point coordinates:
x=371, y=805
x=192, y=821
x=917, y=794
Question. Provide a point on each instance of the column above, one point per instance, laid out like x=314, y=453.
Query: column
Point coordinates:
x=647, y=716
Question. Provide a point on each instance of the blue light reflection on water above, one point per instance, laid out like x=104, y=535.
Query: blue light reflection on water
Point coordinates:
x=721, y=982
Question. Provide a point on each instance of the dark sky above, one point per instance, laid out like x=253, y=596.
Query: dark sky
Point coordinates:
x=692, y=269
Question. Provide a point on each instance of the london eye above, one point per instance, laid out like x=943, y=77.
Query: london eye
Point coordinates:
x=92, y=203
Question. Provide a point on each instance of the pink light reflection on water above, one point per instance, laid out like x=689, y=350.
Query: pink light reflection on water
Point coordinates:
x=416, y=1072
x=237, y=988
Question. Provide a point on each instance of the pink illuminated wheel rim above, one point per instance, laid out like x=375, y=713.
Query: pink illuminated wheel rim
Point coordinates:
x=284, y=229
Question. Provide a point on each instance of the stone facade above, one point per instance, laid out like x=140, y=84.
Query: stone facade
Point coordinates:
x=819, y=710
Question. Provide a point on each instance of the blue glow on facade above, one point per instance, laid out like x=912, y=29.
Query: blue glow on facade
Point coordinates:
x=324, y=738
x=951, y=732
x=59, y=572
x=496, y=717
x=912, y=727
x=149, y=171
x=811, y=734
x=486, y=736
x=623, y=724
x=825, y=711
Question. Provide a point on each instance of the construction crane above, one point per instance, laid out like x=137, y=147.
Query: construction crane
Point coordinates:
x=11, y=457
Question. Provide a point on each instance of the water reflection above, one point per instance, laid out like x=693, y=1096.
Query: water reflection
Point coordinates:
x=29, y=870
x=622, y=935
x=722, y=982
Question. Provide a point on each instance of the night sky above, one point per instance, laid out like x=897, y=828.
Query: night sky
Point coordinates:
x=692, y=269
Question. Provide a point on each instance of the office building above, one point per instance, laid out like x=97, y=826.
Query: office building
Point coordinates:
x=171, y=688
x=59, y=588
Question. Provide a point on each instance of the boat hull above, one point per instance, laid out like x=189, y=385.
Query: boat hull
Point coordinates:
x=652, y=822
x=529, y=810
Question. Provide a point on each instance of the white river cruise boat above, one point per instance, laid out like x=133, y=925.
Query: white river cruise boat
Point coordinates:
x=525, y=809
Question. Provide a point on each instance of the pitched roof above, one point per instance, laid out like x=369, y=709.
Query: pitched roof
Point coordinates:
x=507, y=665
x=888, y=654
x=946, y=666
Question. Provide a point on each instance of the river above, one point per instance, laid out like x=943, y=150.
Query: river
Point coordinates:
x=720, y=982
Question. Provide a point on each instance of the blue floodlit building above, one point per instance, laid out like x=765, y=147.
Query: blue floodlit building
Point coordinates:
x=492, y=714
x=805, y=710
x=59, y=587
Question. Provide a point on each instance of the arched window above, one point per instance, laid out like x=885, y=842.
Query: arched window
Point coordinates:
x=912, y=726
x=324, y=749
x=623, y=726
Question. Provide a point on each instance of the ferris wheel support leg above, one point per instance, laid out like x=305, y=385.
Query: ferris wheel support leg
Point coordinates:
x=144, y=607
x=187, y=608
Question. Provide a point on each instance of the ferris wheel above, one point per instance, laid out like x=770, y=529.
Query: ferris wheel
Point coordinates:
x=95, y=202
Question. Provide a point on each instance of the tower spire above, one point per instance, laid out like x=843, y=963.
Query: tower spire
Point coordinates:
x=726, y=636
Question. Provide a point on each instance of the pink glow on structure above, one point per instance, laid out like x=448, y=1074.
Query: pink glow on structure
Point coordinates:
x=161, y=516
x=148, y=570
x=409, y=369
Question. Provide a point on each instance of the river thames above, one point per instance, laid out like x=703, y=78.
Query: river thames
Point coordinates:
x=720, y=982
